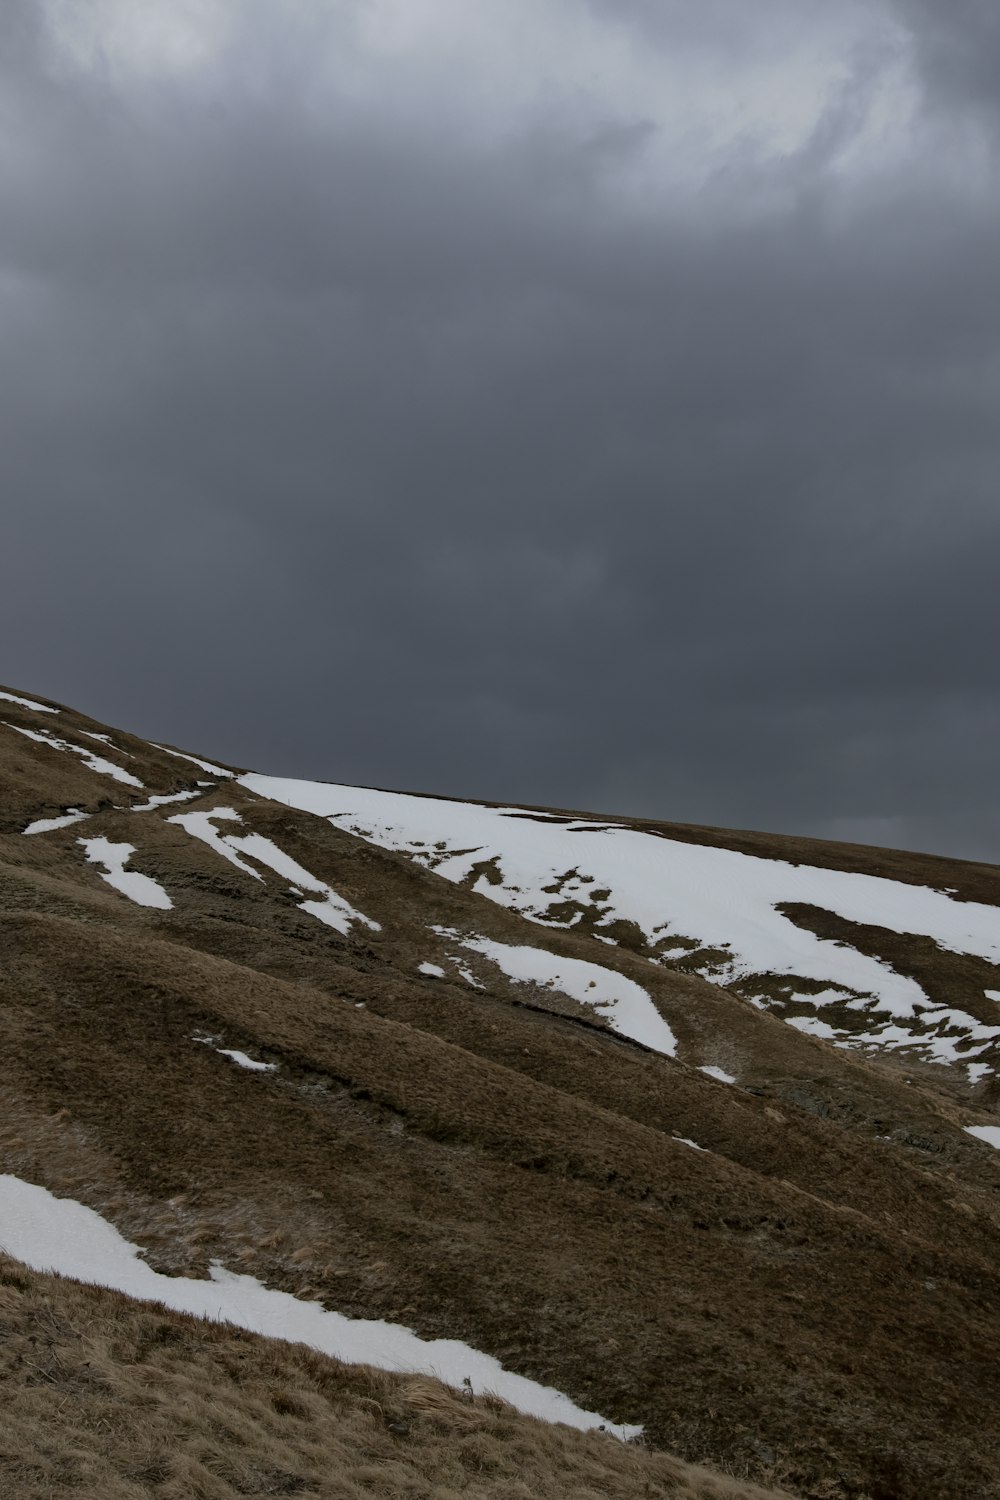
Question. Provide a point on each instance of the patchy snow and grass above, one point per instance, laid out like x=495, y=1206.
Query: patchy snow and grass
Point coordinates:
x=92, y=761
x=434, y=970
x=988, y=1133
x=329, y=907
x=206, y=765
x=949, y=1036
x=978, y=1071
x=38, y=708
x=719, y=1073
x=162, y=800
x=578, y=871
x=58, y=1234
x=625, y=1005
x=141, y=889
x=65, y=820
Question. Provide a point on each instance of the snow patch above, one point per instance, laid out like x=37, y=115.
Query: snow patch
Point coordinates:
x=58, y=1234
x=243, y=1061
x=161, y=801
x=988, y=1133
x=206, y=765
x=105, y=739
x=39, y=708
x=46, y=825
x=976, y=1071
x=627, y=1007
x=432, y=969
x=814, y=1026
x=719, y=1073
x=240, y=1058
x=141, y=889
x=682, y=1140
x=92, y=761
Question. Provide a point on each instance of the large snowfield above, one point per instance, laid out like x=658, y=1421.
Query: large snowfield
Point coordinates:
x=684, y=896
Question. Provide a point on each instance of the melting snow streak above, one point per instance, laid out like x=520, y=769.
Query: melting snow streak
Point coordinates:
x=92, y=761
x=57, y=1234
x=47, y=825
x=206, y=765
x=39, y=708
x=329, y=908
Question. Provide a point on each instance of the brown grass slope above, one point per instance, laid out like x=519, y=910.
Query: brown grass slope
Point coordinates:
x=107, y=1398
x=816, y=1297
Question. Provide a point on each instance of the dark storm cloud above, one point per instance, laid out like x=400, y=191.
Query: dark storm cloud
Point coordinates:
x=345, y=441
x=959, y=50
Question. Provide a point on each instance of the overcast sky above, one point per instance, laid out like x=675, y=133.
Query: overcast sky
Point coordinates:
x=587, y=402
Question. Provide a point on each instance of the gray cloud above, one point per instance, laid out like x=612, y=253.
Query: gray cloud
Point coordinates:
x=349, y=435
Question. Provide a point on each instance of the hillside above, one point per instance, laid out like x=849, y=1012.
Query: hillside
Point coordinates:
x=201, y=1409
x=696, y=1128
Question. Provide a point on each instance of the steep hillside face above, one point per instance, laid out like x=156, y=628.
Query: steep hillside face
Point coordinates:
x=696, y=1128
